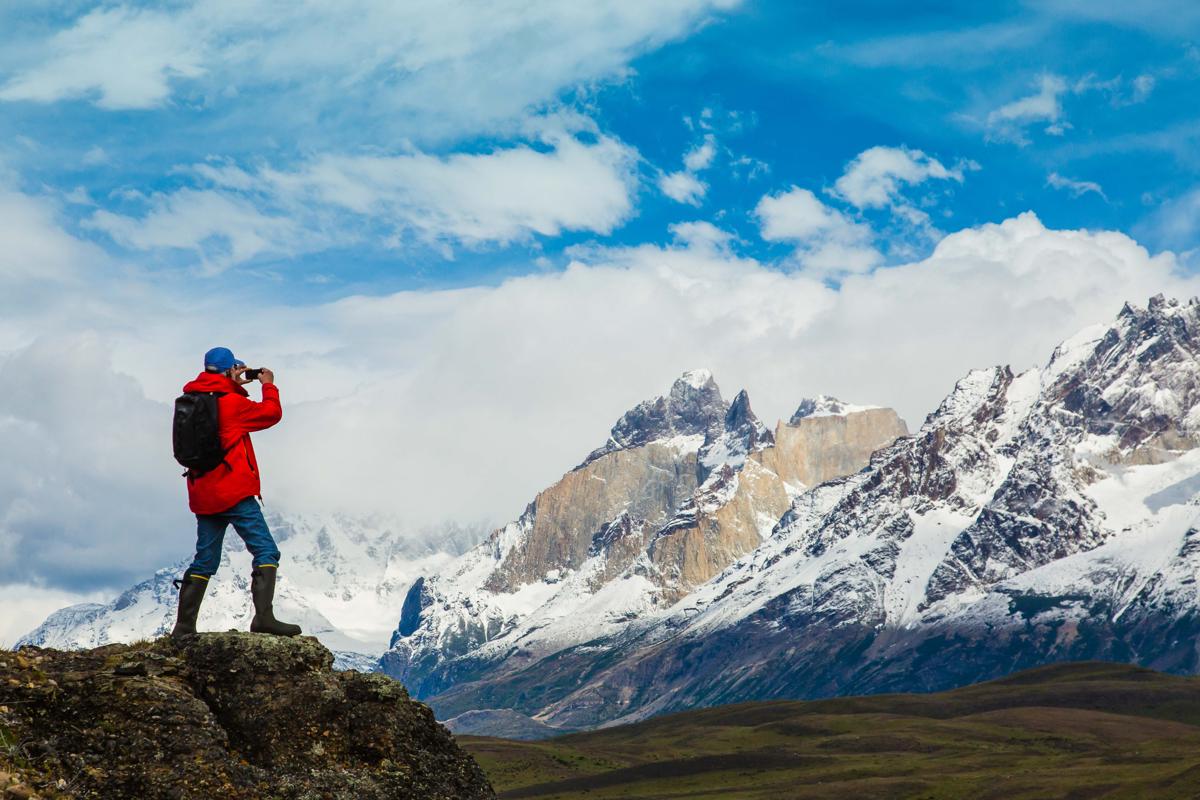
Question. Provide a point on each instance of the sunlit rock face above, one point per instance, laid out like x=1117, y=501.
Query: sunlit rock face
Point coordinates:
x=685, y=486
x=814, y=448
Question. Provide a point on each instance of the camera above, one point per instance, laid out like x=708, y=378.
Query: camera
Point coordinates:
x=252, y=374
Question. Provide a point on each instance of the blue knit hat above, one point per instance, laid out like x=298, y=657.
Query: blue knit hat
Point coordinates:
x=220, y=359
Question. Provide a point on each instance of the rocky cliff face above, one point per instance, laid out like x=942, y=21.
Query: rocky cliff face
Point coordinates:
x=1035, y=517
x=814, y=448
x=220, y=715
x=685, y=485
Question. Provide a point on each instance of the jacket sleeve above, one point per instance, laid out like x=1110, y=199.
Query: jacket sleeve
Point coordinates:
x=259, y=416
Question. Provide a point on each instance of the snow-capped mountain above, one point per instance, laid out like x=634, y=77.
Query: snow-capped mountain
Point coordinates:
x=343, y=580
x=685, y=485
x=1044, y=516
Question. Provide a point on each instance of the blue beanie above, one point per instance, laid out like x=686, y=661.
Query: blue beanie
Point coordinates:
x=220, y=359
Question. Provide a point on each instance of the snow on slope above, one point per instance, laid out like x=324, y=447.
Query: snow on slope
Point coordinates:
x=343, y=580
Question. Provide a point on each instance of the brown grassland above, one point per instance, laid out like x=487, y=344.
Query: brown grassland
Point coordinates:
x=1070, y=731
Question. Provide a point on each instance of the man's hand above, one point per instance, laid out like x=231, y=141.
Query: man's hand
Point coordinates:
x=266, y=376
x=236, y=374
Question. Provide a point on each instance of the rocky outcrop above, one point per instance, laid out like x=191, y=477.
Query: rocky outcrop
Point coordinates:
x=644, y=485
x=693, y=407
x=814, y=448
x=730, y=517
x=230, y=715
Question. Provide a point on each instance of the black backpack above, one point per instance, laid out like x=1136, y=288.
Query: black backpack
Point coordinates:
x=196, y=433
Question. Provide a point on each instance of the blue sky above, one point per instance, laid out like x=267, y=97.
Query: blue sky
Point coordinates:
x=467, y=236
x=1105, y=139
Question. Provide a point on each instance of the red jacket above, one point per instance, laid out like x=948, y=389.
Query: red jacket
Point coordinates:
x=238, y=417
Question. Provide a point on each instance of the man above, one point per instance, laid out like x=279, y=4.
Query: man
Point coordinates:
x=227, y=494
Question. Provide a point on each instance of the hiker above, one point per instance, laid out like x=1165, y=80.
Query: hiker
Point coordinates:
x=213, y=422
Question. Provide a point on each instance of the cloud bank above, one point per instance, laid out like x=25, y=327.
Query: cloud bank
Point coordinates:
x=463, y=403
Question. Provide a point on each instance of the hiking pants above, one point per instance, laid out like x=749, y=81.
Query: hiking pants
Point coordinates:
x=247, y=519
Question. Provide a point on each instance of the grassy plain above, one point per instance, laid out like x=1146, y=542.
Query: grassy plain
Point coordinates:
x=1070, y=731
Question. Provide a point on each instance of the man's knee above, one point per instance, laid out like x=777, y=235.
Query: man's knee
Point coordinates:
x=205, y=564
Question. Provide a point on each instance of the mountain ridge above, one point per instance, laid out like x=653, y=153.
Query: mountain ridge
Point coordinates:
x=1034, y=517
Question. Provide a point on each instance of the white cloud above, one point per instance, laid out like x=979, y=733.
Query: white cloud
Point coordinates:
x=122, y=57
x=1143, y=85
x=827, y=240
x=500, y=196
x=431, y=69
x=685, y=186
x=33, y=246
x=831, y=241
x=1076, y=188
x=1010, y=121
x=222, y=229
x=702, y=234
x=876, y=177
x=701, y=156
x=682, y=187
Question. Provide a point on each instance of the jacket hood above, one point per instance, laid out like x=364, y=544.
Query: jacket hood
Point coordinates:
x=214, y=382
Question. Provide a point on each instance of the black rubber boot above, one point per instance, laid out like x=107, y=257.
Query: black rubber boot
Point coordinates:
x=262, y=590
x=191, y=593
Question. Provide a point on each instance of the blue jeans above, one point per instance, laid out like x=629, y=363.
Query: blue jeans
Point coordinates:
x=247, y=519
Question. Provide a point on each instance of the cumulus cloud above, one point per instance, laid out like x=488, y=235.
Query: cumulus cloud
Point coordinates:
x=685, y=186
x=1076, y=188
x=827, y=240
x=499, y=196
x=701, y=156
x=876, y=176
x=435, y=69
x=1010, y=121
x=682, y=187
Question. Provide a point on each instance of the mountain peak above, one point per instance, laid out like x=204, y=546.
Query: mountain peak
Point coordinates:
x=692, y=407
x=741, y=434
x=696, y=378
x=824, y=405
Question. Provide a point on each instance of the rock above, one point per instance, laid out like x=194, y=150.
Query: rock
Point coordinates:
x=19, y=792
x=647, y=482
x=814, y=448
x=242, y=716
x=130, y=668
